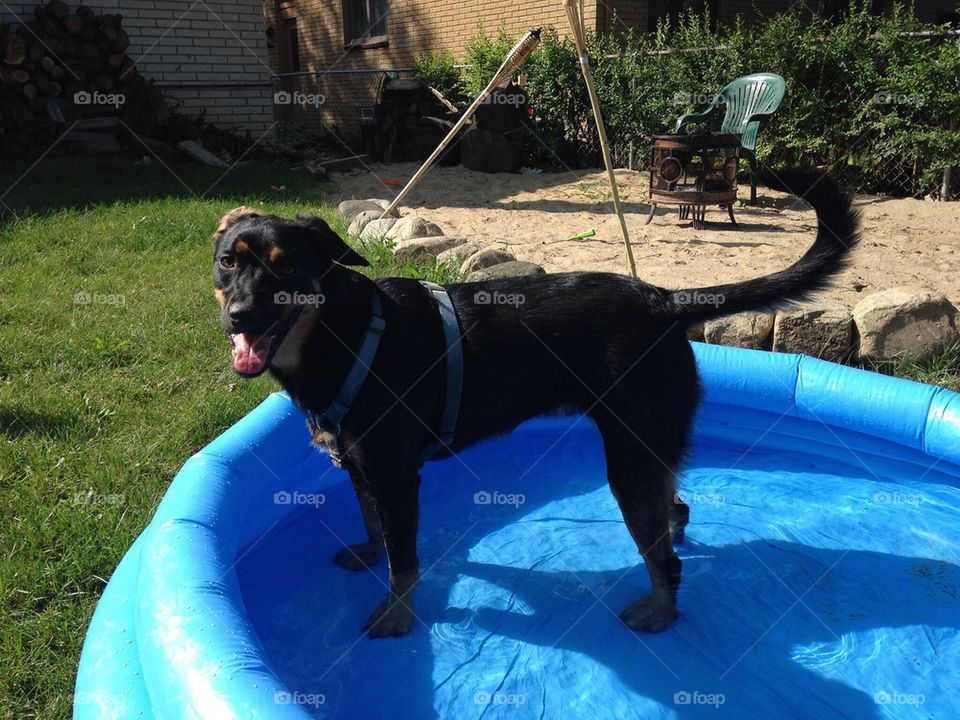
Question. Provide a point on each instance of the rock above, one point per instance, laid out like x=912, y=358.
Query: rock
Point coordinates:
x=412, y=227
x=377, y=229
x=424, y=248
x=909, y=323
x=318, y=172
x=487, y=257
x=747, y=330
x=515, y=268
x=695, y=332
x=361, y=220
x=822, y=330
x=351, y=208
x=456, y=255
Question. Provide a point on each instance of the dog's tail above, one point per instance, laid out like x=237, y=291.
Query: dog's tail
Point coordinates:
x=837, y=228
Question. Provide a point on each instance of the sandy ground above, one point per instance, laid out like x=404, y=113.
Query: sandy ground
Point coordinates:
x=905, y=242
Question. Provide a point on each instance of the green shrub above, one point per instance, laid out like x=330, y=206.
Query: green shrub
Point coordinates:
x=439, y=71
x=864, y=99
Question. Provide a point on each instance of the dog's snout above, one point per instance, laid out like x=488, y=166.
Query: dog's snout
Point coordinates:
x=241, y=314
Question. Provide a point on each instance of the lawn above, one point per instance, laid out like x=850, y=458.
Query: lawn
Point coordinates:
x=113, y=371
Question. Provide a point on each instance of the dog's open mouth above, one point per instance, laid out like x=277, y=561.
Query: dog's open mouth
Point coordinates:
x=251, y=353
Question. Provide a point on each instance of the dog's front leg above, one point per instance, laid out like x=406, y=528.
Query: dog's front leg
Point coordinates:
x=363, y=555
x=397, y=504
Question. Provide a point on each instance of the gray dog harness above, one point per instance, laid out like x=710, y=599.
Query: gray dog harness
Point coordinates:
x=331, y=420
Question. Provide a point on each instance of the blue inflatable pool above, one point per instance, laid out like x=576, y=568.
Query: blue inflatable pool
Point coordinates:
x=821, y=571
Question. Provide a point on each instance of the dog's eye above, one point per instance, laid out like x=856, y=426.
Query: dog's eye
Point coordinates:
x=286, y=269
x=227, y=261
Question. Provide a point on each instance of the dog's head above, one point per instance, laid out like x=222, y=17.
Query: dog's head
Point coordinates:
x=266, y=270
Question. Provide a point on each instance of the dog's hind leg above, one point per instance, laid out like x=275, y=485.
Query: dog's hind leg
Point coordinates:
x=363, y=555
x=642, y=482
x=397, y=507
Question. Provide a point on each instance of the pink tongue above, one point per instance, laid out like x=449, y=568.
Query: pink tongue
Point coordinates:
x=250, y=353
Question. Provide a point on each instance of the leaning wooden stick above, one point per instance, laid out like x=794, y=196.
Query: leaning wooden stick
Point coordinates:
x=574, y=10
x=515, y=58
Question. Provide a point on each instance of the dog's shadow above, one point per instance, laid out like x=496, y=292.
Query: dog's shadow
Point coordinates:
x=769, y=625
x=762, y=644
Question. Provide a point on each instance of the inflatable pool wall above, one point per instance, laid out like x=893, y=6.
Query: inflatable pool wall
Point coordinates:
x=172, y=636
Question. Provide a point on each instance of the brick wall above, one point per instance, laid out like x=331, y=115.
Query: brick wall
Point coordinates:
x=211, y=56
x=414, y=27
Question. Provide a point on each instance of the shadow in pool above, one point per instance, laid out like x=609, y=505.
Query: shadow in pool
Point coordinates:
x=521, y=603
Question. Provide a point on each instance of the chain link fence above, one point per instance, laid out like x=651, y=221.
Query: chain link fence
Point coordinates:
x=335, y=106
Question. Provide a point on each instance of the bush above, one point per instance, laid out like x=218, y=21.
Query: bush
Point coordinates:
x=439, y=71
x=862, y=98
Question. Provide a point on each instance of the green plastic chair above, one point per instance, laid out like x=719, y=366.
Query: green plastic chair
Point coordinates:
x=748, y=101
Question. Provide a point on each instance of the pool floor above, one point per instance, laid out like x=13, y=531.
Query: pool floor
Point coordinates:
x=811, y=589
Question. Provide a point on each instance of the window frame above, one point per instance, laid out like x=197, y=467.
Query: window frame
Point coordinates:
x=364, y=43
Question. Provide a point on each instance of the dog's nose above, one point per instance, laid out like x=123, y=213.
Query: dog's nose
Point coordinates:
x=241, y=314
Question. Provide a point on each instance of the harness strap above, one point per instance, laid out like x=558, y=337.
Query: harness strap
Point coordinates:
x=454, y=366
x=331, y=419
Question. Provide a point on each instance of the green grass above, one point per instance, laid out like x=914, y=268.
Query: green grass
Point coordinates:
x=941, y=369
x=101, y=402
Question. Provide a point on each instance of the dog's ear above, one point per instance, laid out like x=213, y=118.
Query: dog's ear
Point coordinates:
x=232, y=217
x=331, y=243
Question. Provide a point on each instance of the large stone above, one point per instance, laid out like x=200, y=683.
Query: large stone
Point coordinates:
x=455, y=256
x=351, y=208
x=747, y=330
x=908, y=323
x=487, y=257
x=411, y=227
x=362, y=220
x=695, y=332
x=424, y=248
x=377, y=229
x=515, y=268
x=823, y=330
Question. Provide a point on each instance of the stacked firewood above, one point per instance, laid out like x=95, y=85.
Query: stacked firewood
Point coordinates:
x=62, y=65
x=409, y=121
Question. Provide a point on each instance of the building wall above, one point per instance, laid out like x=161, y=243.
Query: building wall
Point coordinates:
x=212, y=56
x=414, y=27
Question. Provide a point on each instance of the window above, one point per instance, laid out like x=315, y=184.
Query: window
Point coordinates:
x=365, y=22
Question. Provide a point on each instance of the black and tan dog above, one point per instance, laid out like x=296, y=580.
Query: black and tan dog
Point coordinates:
x=604, y=344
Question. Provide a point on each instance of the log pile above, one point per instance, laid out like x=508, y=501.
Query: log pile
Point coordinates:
x=401, y=130
x=65, y=64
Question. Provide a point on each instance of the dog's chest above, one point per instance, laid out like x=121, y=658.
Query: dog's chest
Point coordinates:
x=323, y=440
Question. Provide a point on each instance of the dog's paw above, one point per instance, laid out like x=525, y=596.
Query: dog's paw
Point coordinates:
x=359, y=557
x=647, y=615
x=392, y=619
